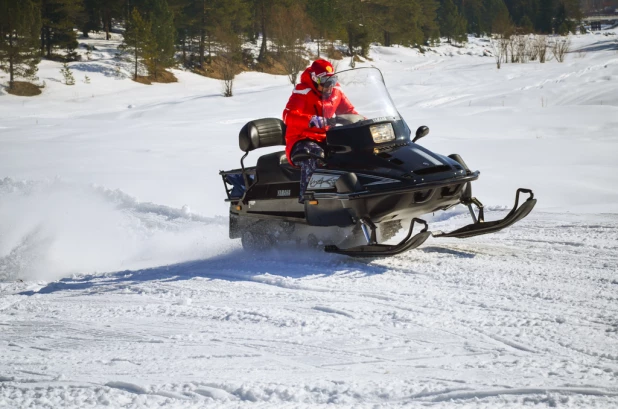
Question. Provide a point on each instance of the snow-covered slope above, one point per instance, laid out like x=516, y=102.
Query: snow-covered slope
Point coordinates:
x=120, y=288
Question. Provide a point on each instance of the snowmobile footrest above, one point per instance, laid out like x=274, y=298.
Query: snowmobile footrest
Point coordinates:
x=380, y=250
x=481, y=227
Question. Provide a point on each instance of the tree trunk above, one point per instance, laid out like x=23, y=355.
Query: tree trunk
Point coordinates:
x=48, y=41
x=184, y=50
x=107, y=24
x=136, y=56
x=262, y=54
x=202, y=35
x=42, y=41
x=350, y=41
x=387, y=39
x=11, y=75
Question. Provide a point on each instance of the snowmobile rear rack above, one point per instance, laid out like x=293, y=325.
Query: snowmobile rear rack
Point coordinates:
x=480, y=226
x=372, y=249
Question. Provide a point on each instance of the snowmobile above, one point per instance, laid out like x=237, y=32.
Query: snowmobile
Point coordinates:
x=375, y=179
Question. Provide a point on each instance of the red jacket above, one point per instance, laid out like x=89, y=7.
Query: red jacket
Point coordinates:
x=305, y=102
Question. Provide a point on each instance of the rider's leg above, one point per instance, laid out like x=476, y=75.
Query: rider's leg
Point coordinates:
x=309, y=165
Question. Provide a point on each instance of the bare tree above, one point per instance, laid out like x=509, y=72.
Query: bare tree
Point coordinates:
x=289, y=37
x=540, y=44
x=512, y=46
x=560, y=48
x=533, y=51
x=229, y=57
x=228, y=71
x=496, y=50
x=504, y=48
x=522, y=42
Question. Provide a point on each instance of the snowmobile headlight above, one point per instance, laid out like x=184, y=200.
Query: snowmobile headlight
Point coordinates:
x=382, y=133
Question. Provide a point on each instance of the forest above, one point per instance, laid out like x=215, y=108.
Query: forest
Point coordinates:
x=208, y=36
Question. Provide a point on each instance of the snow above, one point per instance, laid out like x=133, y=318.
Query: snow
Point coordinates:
x=120, y=288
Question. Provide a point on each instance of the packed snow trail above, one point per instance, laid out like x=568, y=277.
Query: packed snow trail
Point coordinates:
x=527, y=315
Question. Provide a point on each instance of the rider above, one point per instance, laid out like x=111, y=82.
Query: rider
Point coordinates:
x=313, y=105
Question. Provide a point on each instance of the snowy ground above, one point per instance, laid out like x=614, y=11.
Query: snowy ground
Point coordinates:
x=119, y=287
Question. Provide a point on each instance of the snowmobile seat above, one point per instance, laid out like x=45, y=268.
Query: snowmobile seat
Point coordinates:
x=275, y=168
x=261, y=133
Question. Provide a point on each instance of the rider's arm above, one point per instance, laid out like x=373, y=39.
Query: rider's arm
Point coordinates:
x=295, y=114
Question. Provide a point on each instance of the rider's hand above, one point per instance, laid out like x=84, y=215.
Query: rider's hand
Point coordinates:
x=317, y=122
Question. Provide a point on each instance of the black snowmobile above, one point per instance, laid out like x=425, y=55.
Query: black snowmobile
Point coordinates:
x=375, y=180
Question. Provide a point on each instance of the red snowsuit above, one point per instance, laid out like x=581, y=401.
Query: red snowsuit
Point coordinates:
x=305, y=102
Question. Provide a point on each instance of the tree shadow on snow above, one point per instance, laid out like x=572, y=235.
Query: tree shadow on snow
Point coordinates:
x=274, y=266
x=605, y=45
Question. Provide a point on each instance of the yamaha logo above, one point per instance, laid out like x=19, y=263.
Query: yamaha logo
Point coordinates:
x=283, y=192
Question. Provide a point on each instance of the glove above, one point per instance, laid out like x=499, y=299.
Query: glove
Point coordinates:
x=317, y=122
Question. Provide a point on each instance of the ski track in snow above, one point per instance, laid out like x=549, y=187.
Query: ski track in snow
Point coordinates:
x=519, y=317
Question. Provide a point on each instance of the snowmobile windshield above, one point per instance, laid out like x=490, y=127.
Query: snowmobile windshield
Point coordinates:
x=359, y=95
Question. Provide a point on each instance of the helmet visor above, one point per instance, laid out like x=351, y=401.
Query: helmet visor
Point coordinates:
x=327, y=81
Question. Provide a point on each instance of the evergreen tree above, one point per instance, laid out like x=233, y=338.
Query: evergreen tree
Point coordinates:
x=137, y=39
x=520, y=9
x=452, y=24
x=261, y=11
x=473, y=11
x=545, y=16
x=204, y=18
x=325, y=18
x=356, y=25
x=99, y=14
x=429, y=19
x=567, y=16
x=526, y=25
x=69, y=79
x=59, y=17
x=386, y=16
x=496, y=18
x=20, y=25
x=92, y=19
x=160, y=51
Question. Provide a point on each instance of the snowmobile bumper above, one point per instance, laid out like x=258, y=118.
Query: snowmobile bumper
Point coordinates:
x=380, y=250
x=480, y=226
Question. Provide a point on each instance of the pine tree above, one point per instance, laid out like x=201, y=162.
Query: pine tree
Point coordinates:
x=137, y=38
x=473, y=12
x=160, y=51
x=545, y=16
x=69, y=79
x=20, y=25
x=452, y=24
x=496, y=18
x=100, y=14
x=386, y=17
x=325, y=19
x=59, y=17
x=262, y=10
x=526, y=24
x=566, y=16
x=357, y=25
x=429, y=19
